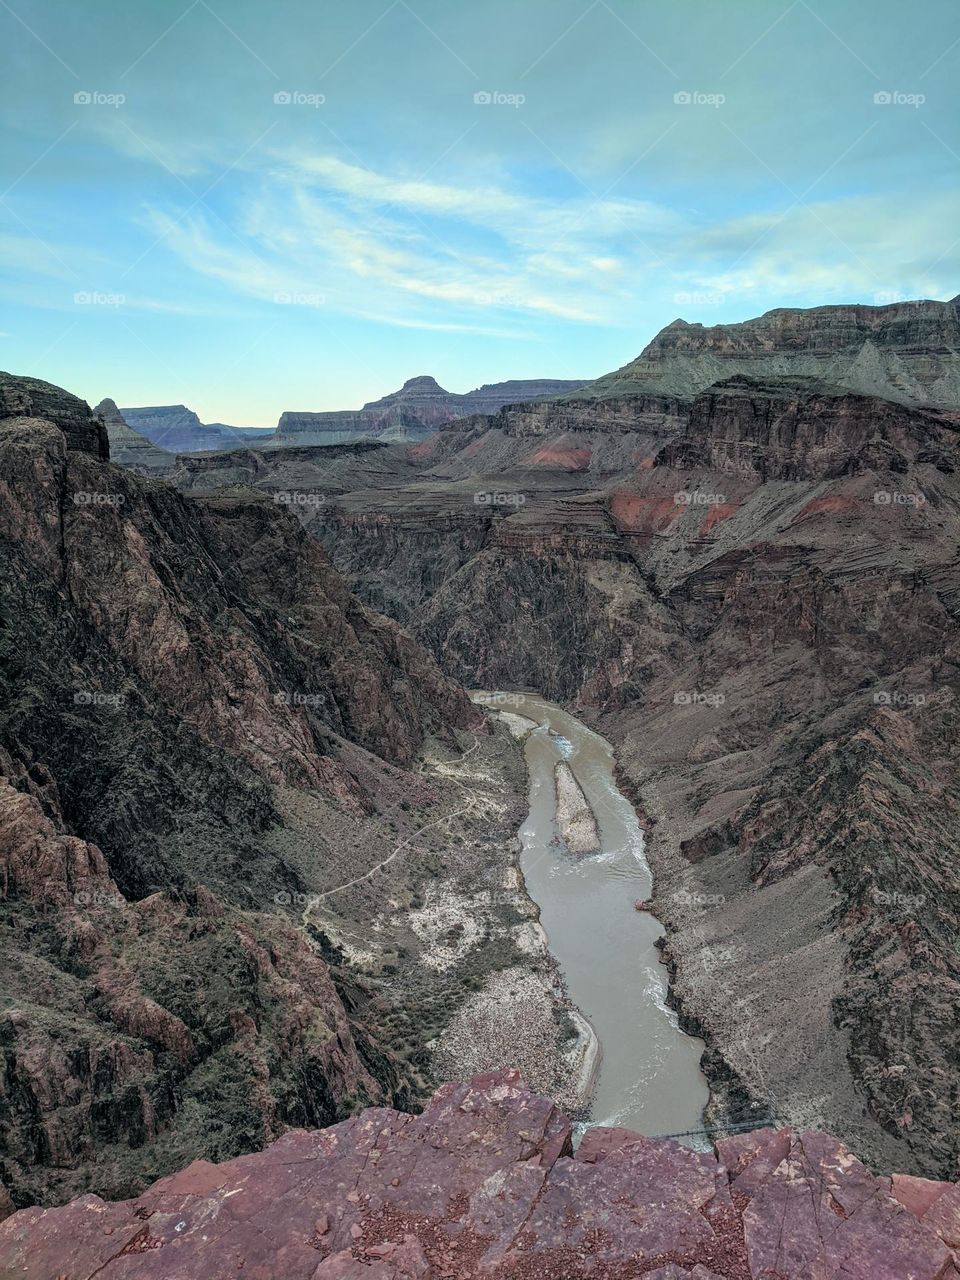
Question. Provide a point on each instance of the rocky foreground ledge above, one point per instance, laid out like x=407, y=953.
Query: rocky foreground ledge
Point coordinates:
x=484, y=1183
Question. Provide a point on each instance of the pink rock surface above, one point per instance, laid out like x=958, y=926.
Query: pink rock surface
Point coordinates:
x=482, y=1184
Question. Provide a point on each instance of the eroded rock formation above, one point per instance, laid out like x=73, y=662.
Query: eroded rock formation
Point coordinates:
x=198, y=725
x=484, y=1184
x=412, y=413
x=905, y=351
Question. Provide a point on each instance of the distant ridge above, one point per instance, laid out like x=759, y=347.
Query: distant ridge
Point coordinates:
x=906, y=351
x=178, y=429
x=415, y=411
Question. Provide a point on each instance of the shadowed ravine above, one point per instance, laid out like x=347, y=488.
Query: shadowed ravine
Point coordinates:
x=649, y=1077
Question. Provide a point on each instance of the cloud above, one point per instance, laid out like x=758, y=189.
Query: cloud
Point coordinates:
x=421, y=253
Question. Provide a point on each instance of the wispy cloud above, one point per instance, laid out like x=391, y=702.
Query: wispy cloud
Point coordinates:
x=421, y=253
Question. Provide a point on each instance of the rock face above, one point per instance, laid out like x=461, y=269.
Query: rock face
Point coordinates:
x=197, y=722
x=33, y=400
x=412, y=413
x=177, y=429
x=130, y=449
x=484, y=1184
x=908, y=352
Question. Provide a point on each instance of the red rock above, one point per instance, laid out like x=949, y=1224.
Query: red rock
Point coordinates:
x=916, y=1194
x=482, y=1184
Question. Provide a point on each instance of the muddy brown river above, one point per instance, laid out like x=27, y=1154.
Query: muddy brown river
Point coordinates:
x=649, y=1076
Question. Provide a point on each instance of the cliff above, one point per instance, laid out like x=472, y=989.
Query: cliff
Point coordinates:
x=754, y=593
x=198, y=726
x=908, y=352
x=484, y=1184
x=177, y=429
x=130, y=449
x=412, y=413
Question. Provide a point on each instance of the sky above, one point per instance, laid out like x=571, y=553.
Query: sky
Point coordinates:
x=250, y=207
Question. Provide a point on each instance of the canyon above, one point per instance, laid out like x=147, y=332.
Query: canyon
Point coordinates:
x=750, y=589
x=736, y=560
x=412, y=413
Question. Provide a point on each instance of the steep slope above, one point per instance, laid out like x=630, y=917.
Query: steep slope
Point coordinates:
x=908, y=352
x=128, y=448
x=203, y=738
x=485, y=1184
x=177, y=429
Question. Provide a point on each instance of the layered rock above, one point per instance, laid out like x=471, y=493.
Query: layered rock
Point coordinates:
x=198, y=725
x=128, y=448
x=412, y=413
x=908, y=352
x=177, y=429
x=485, y=1183
x=31, y=400
x=755, y=594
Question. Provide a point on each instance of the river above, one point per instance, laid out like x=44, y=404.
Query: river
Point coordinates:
x=649, y=1078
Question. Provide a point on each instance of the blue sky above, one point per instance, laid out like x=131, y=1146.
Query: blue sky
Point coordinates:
x=252, y=207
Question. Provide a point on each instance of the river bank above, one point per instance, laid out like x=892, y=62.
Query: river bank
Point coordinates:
x=441, y=927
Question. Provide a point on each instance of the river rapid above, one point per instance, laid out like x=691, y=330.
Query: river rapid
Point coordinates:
x=649, y=1076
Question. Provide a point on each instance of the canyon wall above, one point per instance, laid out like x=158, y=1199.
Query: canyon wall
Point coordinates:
x=201, y=730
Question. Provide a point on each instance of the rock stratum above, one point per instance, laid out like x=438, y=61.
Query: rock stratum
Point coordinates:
x=412, y=413
x=130, y=449
x=906, y=351
x=485, y=1184
x=177, y=429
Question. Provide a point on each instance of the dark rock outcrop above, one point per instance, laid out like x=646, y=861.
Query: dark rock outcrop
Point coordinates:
x=484, y=1183
x=31, y=400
